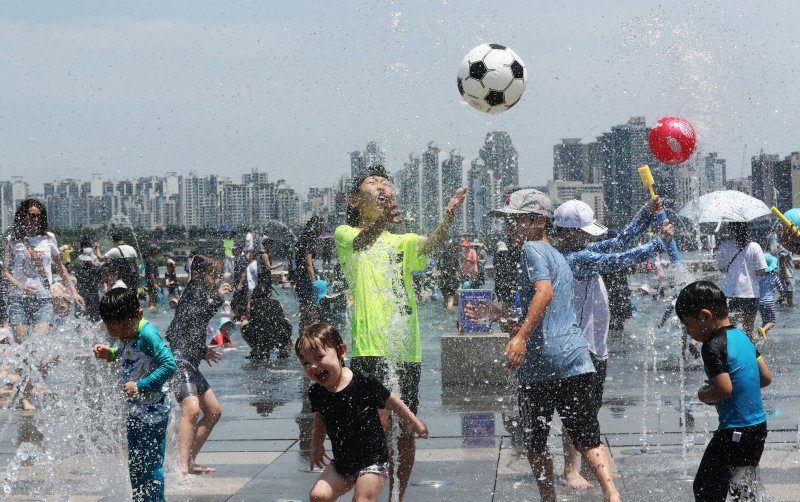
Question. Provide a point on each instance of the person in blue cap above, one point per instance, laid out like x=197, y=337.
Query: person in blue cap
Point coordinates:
x=768, y=283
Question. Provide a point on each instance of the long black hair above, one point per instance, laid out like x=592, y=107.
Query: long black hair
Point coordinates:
x=20, y=229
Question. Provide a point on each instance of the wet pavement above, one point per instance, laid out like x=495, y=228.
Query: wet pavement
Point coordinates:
x=260, y=445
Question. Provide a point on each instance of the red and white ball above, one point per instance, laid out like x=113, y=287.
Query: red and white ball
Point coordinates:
x=672, y=140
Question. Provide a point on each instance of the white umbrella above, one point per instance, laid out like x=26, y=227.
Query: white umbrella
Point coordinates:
x=724, y=206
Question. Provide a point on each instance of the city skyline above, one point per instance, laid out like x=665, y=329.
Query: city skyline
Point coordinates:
x=602, y=173
x=226, y=88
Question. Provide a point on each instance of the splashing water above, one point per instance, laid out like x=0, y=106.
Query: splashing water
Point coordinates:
x=74, y=443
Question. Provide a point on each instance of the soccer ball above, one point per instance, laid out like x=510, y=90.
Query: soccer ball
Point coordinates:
x=492, y=78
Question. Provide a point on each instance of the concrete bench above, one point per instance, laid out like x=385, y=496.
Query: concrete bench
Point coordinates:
x=474, y=360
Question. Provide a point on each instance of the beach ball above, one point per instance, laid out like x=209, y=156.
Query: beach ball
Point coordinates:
x=672, y=140
x=492, y=78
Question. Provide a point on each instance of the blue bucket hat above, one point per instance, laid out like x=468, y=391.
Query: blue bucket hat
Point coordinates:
x=772, y=263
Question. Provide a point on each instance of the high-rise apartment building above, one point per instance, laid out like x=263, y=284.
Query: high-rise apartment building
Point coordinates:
x=571, y=161
x=452, y=180
x=765, y=187
x=483, y=195
x=407, y=192
x=499, y=155
x=430, y=189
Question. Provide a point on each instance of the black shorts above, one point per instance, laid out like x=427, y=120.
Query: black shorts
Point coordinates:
x=188, y=381
x=408, y=375
x=723, y=455
x=574, y=400
x=600, y=366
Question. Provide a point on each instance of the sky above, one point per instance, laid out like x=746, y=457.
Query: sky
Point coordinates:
x=290, y=88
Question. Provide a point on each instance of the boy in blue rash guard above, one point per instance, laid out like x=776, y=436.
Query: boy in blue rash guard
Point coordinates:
x=146, y=364
x=576, y=225
x=736, y=374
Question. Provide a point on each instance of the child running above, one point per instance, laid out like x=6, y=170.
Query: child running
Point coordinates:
x=187, y=337
x=736, y=374
x=146, y=364
x=345, y=403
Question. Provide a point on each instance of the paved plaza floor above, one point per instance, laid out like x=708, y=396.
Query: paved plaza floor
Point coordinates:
x=260, y=446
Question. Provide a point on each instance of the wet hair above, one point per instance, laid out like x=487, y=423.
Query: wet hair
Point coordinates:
x=317, y=338
x=353, y=214
x=202, y=264
x=116, y=237
x=19, y=229
x=119, y=304
x=86, y=243
x=701, y=295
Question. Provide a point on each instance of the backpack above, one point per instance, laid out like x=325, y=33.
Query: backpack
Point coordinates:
x=127, y=269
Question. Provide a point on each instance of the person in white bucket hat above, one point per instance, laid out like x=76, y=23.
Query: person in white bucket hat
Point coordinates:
x=576, y=226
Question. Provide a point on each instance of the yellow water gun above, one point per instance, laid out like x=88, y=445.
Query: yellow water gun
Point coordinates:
x=648, y=182
x=786, y=223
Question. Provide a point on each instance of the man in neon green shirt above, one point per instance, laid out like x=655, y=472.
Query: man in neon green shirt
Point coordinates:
x=378, y=266
x=227, y=248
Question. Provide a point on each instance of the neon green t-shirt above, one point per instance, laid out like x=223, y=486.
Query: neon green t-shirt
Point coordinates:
x=384, y=319
x=227, y=246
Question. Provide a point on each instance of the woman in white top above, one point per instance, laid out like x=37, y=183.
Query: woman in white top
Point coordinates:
x=742, y=261
x=30, y=254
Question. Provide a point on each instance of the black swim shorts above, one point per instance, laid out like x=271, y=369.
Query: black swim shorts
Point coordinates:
x=574, y=400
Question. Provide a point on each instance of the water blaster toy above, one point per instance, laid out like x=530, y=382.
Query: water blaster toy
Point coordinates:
x=672, y=140
x=786, y=222
x=661, y=217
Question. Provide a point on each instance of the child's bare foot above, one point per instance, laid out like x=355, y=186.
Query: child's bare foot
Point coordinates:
x=26, y=405
x=612, y=497
x=200, y=470
x=575, y=481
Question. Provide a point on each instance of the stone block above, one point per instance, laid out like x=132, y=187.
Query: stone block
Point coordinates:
x=474, y=360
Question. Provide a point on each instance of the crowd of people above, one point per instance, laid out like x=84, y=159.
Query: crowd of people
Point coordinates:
x=556, y=277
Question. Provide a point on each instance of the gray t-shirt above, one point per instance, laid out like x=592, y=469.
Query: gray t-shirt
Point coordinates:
x=557, y=349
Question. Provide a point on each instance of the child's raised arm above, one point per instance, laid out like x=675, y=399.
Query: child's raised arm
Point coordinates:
x=319, y=457
x=764, y=373
x=399, y=408
x=436, y=237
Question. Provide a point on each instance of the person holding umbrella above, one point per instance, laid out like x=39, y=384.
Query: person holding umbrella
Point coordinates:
x=742, y=262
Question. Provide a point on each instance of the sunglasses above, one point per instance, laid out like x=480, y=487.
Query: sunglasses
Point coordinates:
x=35, y=215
